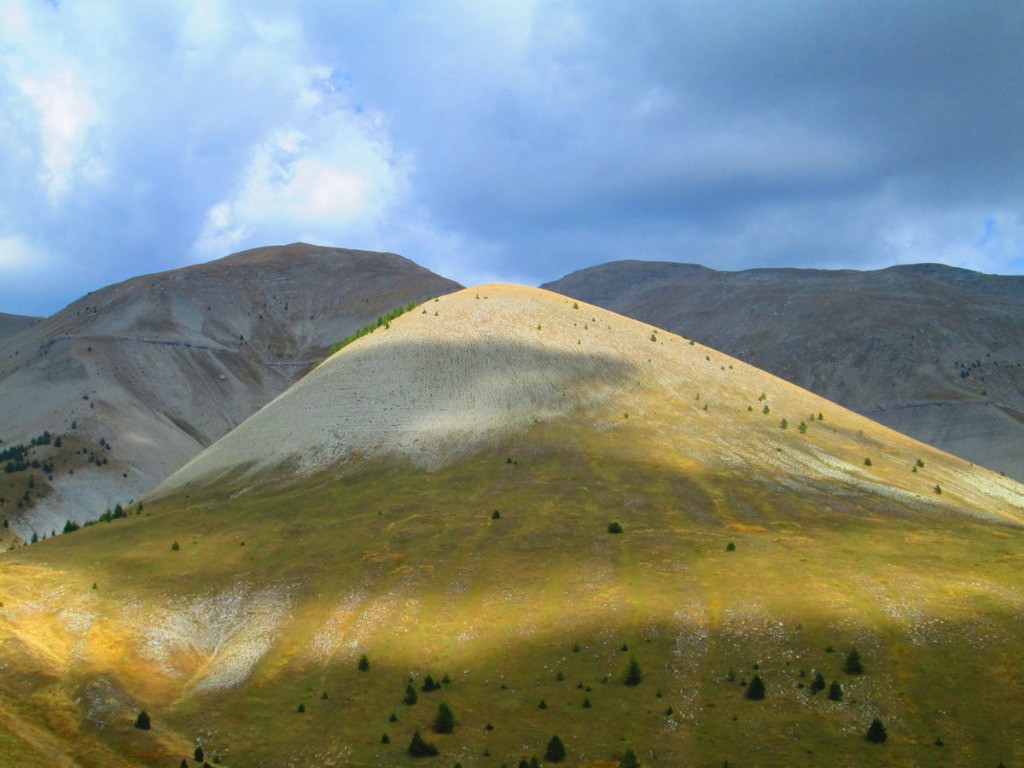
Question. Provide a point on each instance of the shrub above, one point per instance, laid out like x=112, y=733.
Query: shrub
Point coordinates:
x=586, y=702
x=876, y=732
x=385, y=739
x=633, y=673
x=802, y=428
x=766, y=410
x=445, y=720
x=198, y=754
x=495, y=515
x=142, y=721
x=835, y=691
x=938, y=489
x=853, y=664
x=175, y=547
x=301, y=708
x=755, y=691
x=418, y=747
x=364, y=663
x=867, y=462
x=555, y=752
x=393, y=718
x=614, y=527
x=629, y=760
x=730, y=547
x=784, y=424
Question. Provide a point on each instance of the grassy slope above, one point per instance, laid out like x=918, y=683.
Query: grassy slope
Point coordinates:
x=418, y=576
x=220, y=642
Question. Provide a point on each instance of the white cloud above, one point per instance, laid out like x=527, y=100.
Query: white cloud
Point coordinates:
x=66, y=113
x=19, y=258
x=333, y=181
x=49, y=78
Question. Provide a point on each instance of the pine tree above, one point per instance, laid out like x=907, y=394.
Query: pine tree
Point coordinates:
x=835, y=691
x=629, y=760
x=555, y=752
x=853, y=665
x=420, y=748
x=633, y=673
x=876, y=732
x=429, y=684
x=198, y=754
x=755, y=691
x=364, y=663
x=410, y=695
x=818, y=684
x=445, y=720
x=142, y=721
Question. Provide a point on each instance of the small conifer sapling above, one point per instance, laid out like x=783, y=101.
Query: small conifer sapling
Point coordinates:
x=445, y=720
x=633, y=674
x=555, y=752
x=853, y=664
x=755, y=691
x=876, y=732
x=419, y=747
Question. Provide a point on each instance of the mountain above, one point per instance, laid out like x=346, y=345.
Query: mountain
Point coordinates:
x=12, y=324
x=932, y=351
x=497, y=502
x=138, y=377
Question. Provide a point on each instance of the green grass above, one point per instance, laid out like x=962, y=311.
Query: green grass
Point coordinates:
x=931, y=601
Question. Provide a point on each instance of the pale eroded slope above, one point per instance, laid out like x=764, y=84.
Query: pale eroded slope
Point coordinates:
x=474, y=368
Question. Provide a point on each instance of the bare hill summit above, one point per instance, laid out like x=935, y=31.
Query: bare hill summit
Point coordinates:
x=138, y=377
x=932, y=351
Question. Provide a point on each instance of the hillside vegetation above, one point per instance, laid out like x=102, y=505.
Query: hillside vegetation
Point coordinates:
x=437, y=500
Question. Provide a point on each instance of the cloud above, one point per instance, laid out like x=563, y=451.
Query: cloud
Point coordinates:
x=521, y=140
x=332, y=182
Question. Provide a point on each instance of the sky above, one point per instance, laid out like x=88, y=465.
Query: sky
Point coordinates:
x=511, y=141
